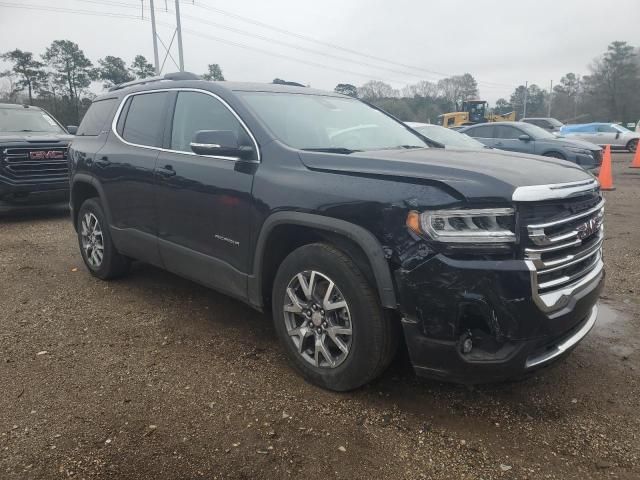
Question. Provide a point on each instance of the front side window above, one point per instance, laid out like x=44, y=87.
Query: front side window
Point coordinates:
x=96, y=117
x=198, y=111
x=143, y=124
x=506, y=132
x=318, y=122
x=27, y=120
x=606, y=129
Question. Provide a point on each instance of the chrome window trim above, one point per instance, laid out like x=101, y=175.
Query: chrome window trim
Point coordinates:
x=116, y=117
x=555, y=191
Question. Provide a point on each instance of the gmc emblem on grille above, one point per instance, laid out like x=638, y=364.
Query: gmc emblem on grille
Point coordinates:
x=46, y=155
x=587, y=228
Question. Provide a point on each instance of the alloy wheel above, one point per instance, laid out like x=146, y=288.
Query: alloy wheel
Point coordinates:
x=317, y=319
x=92, y=240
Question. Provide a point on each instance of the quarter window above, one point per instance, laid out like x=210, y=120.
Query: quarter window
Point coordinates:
x=198, y=111
x=96, y=117
x=144, y=122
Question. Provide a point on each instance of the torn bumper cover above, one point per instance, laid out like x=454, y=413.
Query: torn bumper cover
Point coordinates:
x=477, y=321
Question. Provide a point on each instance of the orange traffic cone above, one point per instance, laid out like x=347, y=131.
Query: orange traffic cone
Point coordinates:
x=636, y=158
x=606, y=178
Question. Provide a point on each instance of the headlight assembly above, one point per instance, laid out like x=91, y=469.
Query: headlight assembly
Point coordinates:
x=486, y=226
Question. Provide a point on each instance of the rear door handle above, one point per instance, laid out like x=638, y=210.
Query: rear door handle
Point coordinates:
x=166, y=171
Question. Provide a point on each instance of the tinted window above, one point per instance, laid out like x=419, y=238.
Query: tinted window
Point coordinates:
x=508, y=133
x=96, y=118
x=143, y=125
x=485, y=131
x=198, y=111
x=540, y=123
x=606, y=129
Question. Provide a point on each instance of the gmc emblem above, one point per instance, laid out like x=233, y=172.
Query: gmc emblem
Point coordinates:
x=46, y=155
x=587, y=228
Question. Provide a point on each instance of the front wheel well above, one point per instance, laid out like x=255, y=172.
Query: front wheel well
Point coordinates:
x=286, y=238
x=81, y=192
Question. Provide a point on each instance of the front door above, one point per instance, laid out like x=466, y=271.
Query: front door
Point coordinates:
x=204, y=202
x=508, y=138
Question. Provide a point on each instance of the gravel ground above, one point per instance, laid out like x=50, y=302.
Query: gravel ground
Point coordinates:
x=153, y=376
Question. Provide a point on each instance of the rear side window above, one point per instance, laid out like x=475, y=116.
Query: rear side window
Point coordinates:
x=96, y=118
x=145, y=119
x=506, y=132
x=485, y=131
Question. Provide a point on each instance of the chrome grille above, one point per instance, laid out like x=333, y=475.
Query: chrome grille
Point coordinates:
x=566, y=249
x=35, y=162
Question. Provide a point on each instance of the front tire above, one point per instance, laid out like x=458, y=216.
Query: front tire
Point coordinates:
x=98, y=251
x=632, y=146
x=329, y=319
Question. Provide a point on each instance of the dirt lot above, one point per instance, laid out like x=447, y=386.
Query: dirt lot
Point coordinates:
x=155, y=377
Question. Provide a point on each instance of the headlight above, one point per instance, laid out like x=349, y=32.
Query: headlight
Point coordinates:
x=491, y=225
x=580, y=151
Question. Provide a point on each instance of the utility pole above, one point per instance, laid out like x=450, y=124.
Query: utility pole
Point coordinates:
x=179, y=31
x=550, y=97
x=155, y=38
x=526, y=90
x=575, y=105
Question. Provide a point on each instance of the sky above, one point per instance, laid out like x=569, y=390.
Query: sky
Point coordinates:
x=503, y=43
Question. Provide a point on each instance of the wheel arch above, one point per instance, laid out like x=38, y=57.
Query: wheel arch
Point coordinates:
x=83, y=187
x=307, y=228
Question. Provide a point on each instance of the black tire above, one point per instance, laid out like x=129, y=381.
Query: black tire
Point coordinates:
x=632, y=146
x=374, y=337
x=554, y=155
x=112, y=264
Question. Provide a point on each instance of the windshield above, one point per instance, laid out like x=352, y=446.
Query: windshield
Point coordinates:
x=448, y=137
x=554, y=122
x=317, y=122
x=535, y=132
x=27, y=120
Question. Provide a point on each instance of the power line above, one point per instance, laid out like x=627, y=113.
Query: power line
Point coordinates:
x=331, y=45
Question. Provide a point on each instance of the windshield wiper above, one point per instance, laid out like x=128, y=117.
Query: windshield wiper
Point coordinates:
x=399, y=147
x=345, y=151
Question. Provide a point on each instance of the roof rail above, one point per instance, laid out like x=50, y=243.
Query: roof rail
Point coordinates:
x=167, y=76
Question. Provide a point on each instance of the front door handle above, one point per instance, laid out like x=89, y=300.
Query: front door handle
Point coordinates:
x=166, y=171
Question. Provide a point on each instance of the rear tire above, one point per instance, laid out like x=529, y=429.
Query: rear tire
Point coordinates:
x=632, y=146
x=98, y=251
x=338, y=341
x=554, y=155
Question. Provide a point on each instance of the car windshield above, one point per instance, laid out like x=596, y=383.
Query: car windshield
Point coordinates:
x=535, y=132
x=326, y=123
x=27, y=120
x=448, y=137
x=554, y=122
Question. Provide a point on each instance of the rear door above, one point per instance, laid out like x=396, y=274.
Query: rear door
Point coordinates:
x=482, y=133
x=204, y=202
x=125, y=168
x=605, y=135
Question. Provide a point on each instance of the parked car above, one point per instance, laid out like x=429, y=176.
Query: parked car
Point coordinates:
x=603, y=134
x=446, y=136
x=547, y=123
x=33, y=157
x=345, y=224
x=528, y=138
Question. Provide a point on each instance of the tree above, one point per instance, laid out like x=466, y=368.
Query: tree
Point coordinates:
x=214, y=73
x=536, y=100
x=29, y=72
x=424, y=89
x=614, y=81
x=347, y=89
x=375, y=89
x=113, y=71
x=140, y=68
x=502, y=106
x=458, y=88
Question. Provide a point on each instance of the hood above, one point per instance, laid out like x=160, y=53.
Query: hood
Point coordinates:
x=34, y=137
x=570, y=142
x=477, y=175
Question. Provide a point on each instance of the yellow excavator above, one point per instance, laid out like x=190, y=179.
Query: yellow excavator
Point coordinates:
x=473, y=111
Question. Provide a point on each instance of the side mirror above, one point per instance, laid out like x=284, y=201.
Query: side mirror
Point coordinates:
x=72, y=129
x=524, y=138
x=618, y=135
x=220, y=143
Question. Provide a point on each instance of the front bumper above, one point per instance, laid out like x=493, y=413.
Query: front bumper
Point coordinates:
x=448, y=303
x=29, y=194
